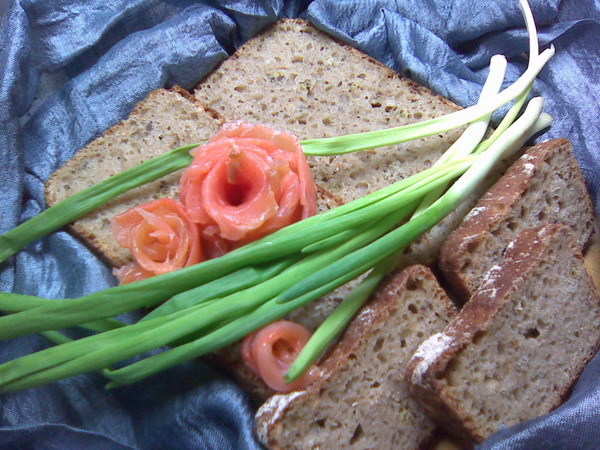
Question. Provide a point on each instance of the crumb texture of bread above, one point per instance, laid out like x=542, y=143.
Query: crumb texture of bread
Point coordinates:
x=361, y=401
x=544, y=186
x=518, y=345
x=164, y=120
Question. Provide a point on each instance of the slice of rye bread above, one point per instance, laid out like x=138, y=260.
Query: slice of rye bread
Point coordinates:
x=518, y=345
x=544, y=186
x=361, y=401
x=164, y=120
x=296, y=78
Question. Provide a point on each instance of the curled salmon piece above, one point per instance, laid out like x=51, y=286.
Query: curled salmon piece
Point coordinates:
x=270, y=351
x=159, y=235
x=246, y=182
x=131, y=272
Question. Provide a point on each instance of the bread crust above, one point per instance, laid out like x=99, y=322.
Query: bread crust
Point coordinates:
x=497, y=204
x=426, y=369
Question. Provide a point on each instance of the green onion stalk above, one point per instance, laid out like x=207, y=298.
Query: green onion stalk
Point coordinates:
x=82, y=355
x=54, y=315
x=217, y=302
x=101, y=350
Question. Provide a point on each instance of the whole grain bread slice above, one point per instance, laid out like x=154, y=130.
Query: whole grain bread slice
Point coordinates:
x=361, y=401
x=164, y=120
x=544, y=186
x=518, y=345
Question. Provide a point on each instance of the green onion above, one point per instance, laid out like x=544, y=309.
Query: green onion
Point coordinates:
x=229, y=284
x=337, y=321
x=371, y=254
x=474, y=133
x=288, y=241
x=10, y=302
x=96, y=352
x=219, y=338
x=361, y=141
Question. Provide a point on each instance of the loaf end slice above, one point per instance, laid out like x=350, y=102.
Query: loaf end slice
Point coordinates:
x=361, y=401
x=164, y=120
x=518, y=345
x=544, y=186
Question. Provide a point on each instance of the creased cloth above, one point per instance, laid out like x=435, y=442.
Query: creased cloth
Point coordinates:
x=70, y=69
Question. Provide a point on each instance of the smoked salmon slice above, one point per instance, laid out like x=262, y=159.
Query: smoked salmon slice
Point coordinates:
x=159, y=235
x=246, y=182
x=270, y=351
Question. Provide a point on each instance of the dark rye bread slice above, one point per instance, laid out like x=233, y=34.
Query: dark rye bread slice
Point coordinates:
x=544, y=186
x=164, y=120
x=361, y=401
x=518, y=345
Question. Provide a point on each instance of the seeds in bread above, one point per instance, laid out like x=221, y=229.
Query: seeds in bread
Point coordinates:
x=520, y=342
x=543, y=186
x=362, y=401
x=164, y=120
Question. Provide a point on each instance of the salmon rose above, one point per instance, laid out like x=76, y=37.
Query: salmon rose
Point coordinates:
x=246, y=182
x=270, y=351
x=161, y=239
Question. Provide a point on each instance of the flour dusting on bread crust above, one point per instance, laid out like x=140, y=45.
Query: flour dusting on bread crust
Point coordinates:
x=429, y=351
x=544, y=186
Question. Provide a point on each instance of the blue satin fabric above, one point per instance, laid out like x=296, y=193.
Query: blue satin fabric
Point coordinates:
x=69, y=69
